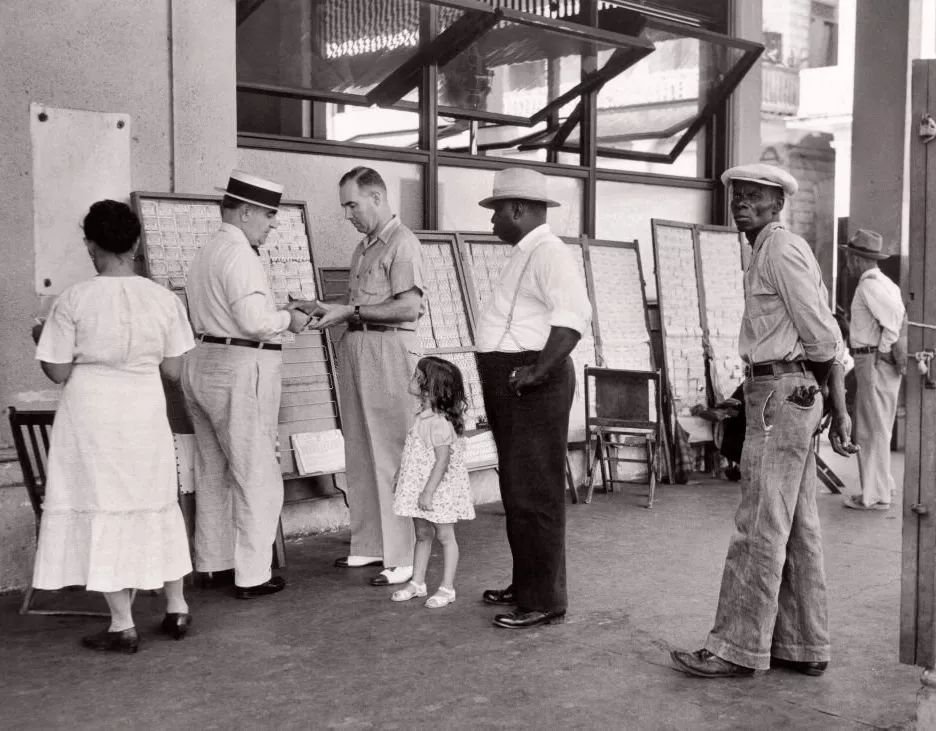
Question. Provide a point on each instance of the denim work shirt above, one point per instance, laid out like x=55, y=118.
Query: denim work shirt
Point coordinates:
x=786, y=304
x=385, y=265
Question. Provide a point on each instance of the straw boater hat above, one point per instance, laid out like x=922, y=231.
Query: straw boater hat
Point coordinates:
x=762, y=174
x=518, y=184
x=251, y=189
x=866, y=244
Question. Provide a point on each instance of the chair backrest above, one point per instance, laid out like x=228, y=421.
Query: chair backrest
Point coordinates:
x=621, y=398
x=31, y=431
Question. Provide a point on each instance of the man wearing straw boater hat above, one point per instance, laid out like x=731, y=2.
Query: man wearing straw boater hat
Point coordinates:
x=537, y=313
x=772, y=604
x=232, y=385
x=877, y=314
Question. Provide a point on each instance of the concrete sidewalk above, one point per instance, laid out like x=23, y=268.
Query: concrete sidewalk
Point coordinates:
x=334, y=652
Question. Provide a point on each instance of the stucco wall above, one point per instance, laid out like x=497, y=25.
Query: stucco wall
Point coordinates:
x=95, y=55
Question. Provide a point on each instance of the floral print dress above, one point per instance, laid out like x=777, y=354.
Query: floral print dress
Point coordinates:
x=451, y=501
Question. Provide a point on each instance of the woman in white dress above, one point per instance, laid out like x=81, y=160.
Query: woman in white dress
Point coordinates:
x=111, y=519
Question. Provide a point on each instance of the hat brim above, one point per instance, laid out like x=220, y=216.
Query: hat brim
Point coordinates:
x=247, y=200
x=759, y=181
x=864, y=253
x=491, y=200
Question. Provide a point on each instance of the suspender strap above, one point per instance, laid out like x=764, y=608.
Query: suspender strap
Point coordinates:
x=513, y=302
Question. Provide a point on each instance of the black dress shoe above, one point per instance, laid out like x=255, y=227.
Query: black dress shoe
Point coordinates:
x=704, y=664
x=215, y=579
x=275, y=584
x=499, y=596
x=176, y=624
x=806, y=667
x=127, y=641
x=522, y=618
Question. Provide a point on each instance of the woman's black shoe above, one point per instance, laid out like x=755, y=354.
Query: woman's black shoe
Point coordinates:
x=499, y=596
x=176, y=624
x=127, y=641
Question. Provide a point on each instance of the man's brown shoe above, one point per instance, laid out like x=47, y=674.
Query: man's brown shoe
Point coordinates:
x=703, y=664
x=806, y=667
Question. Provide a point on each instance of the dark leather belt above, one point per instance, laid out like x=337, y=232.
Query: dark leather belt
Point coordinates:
x=775, y=368
x=864, y=349
x=374, y=327
x=240, y=341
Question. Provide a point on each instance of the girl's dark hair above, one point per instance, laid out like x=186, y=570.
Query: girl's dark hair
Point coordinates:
x=442, y=383
x=111, y=225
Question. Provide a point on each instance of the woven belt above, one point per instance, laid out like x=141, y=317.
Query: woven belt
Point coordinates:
x=775, y=368
x=864, y=349
x=365, y=326
x=240, y=341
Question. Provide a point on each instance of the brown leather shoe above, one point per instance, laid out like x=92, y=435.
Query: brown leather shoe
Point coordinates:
x=271, y=586
x=806, y=667
x=499, y=596
x=703, y=664
x=127, y=641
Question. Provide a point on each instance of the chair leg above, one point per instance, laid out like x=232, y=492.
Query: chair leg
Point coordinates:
x=590, y=475
x=571, y=482
x=27, y=601
x=651, y=470
x=279, y=548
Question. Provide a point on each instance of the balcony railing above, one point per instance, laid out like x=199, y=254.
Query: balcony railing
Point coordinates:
x=779, y=89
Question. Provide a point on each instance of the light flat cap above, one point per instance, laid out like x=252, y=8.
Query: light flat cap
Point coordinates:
x=762, y=174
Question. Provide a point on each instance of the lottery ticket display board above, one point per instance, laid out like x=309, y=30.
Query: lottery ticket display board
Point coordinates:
x=175, y=226
x=446, y=329
x=722, y=297
x=484, y=257
x=681, y=324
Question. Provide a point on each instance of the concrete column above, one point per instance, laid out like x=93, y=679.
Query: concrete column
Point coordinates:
x=744, y=144
x=879, y=119
x=204, y=98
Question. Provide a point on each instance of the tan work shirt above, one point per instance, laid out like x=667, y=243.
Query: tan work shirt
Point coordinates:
x=877, y=312
x=385, y=265
x=786, y=304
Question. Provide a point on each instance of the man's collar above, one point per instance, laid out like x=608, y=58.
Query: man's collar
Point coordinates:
x=533, y=238
x=868, y=273
x=765, y=232
x=384, y=233
x=234, y=231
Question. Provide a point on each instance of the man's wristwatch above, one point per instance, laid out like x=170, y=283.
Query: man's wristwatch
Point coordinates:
x=356, y=317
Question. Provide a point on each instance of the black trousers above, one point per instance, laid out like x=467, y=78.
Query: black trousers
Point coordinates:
x=531, y=433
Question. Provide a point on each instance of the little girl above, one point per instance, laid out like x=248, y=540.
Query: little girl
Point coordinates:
x=432, y=485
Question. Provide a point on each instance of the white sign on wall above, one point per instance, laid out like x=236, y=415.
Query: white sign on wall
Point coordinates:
x=78, y=157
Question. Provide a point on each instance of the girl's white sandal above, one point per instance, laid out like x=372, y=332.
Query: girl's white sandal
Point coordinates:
x=442, y=598
x=410, y=591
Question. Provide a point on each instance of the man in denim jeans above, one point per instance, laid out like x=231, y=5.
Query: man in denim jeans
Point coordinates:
x=772, y=604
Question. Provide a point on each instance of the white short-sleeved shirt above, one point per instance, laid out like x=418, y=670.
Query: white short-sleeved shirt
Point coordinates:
x=224, y=272
x=126, y=323
x=552, y=294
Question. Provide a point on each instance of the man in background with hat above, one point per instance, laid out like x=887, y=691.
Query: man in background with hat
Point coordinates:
x=232, y=386
x=877, y=314
x=772, y=603
x=377, y=358
x=537, y=313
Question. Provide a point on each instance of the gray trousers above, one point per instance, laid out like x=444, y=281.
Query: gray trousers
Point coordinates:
x=878, y=384
x=377, y=410
x=773, y=592
x=233, y=396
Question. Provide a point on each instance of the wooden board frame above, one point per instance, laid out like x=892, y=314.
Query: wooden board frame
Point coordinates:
x=285, y=449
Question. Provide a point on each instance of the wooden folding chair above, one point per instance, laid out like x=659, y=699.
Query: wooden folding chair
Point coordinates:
x=31, y=430
x=622, y=409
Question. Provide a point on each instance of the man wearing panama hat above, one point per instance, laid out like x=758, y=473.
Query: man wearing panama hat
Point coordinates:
x=232, y=387
x=877, y=314
x=537, y=313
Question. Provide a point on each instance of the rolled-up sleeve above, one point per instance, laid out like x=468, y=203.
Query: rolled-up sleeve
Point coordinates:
x=406, y=270
x=246, y=290
x=886, y=310
x=795, y=275
x=560, y=279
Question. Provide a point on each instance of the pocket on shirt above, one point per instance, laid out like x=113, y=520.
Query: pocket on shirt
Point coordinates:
x=375, y=283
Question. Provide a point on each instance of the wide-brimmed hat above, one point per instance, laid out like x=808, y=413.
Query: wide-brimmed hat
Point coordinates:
x=866, y=244
x=762, y=174
x=518, y=184
x=251, y=189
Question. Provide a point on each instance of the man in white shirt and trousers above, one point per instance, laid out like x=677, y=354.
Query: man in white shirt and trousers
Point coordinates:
x=537, y=313
x=877, y=314
x=232, y=383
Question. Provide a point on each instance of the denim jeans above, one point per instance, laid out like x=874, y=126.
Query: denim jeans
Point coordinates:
x=773, y=592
